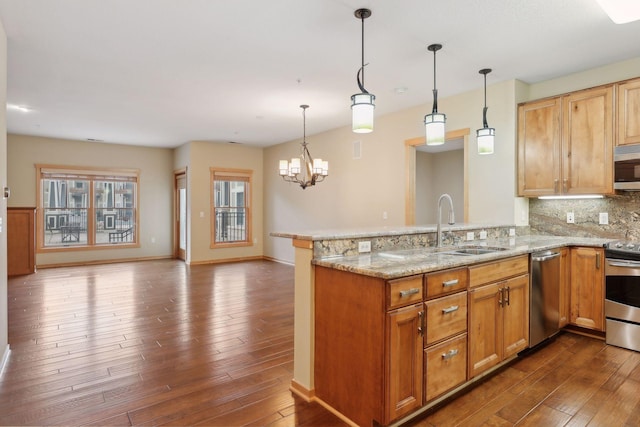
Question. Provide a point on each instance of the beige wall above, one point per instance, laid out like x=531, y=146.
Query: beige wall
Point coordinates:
x=156, y=184
x=199, y=157
x=358, y=191
x=4, y=321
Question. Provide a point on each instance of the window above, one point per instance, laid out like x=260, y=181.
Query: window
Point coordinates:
x=85, y=207
x=231, y=214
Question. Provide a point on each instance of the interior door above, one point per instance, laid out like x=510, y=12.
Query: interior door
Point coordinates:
x=180, y=226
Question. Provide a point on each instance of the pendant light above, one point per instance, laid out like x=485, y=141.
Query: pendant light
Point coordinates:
x=304, y=170
x=434, y=122
x=485, y=136
x=362, y=104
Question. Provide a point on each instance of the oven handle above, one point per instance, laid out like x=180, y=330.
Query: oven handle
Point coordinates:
x=619, y=263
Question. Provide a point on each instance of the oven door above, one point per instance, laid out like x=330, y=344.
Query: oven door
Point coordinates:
x=622, y=290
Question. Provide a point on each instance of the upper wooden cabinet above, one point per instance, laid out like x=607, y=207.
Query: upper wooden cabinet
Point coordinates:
x=628, y=113
x=565, y=144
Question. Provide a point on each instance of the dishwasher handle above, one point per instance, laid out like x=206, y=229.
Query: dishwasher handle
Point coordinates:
x=544, y=256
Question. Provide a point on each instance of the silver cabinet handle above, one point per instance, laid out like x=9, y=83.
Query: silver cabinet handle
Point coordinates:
x=450, y=309
x=450, y=283
x=409, y=292
x=448, y=355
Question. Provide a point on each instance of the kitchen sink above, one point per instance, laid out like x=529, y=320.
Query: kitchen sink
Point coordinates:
x=474, y=250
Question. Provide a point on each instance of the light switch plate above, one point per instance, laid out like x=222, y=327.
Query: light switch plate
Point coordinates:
x=570, y=218
x=364, y=246
x=604, y=218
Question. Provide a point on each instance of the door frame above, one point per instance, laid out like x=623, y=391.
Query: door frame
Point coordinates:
x=410, y=173
x=178, y=253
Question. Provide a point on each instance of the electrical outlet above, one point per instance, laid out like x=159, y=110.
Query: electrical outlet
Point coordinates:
x=512, y=232
x=570, y=218
x=364, y=246
x=604, y=218
x=483, y=235
x=471, y=235
x=385, y=215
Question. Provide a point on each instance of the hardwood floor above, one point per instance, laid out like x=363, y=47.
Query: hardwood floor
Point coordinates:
x=162, y=343
x=154, y=343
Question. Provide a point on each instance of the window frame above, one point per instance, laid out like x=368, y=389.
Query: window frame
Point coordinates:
x=229, y=174
x=92, y=175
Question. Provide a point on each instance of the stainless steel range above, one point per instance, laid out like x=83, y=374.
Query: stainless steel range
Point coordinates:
x=622, y=294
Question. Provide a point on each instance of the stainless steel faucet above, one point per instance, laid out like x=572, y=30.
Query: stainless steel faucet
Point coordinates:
x=452, y=218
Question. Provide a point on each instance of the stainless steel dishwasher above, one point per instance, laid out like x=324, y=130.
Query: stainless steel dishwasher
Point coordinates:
x=544, y=296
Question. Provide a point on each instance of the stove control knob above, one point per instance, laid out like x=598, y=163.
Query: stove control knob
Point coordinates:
x=619, y=245
x=630, y=245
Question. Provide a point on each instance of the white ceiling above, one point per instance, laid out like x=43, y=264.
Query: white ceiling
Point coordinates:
x=165, y=72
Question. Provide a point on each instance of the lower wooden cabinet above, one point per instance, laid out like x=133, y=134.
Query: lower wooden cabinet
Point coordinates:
x=587, y=287
x=445, y=366
x=498, y=316
x=404, y=361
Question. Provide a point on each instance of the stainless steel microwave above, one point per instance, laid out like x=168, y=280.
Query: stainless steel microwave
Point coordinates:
x=626, y=160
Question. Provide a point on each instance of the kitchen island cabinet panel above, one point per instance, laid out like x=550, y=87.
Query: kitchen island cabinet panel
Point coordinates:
x=349, y=351
x=515, y=307
x=445, y=317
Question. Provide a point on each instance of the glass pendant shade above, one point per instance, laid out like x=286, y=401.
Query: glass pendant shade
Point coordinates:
x=362, y=106
x=434, y=123
x=486, y=135
x=363, y=103
x=434, y=128
x=485, y=138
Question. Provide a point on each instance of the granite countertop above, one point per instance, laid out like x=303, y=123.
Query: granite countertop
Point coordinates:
x=401, y=263
x=355, y=233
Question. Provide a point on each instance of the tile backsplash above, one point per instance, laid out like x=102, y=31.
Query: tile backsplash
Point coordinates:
x=623, y=209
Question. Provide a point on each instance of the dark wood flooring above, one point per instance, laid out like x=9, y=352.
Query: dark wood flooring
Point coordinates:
x=162, y=343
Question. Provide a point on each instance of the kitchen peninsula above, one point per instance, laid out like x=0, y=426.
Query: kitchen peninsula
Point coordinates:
x=381, y=336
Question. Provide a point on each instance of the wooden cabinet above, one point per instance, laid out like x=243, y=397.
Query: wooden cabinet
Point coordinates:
x=498, y=312
x=445, y=340
x=368, y=345
x=539, y=147
x=587, y=288
x=20, y=241
x=628, y=112
x=404, y=361
x=565, y=144
x=564, y=300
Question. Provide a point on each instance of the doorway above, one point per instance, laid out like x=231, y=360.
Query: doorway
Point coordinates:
x=457, y=139
x=180, y=215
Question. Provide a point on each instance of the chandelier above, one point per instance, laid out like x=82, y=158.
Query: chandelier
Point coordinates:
x=304, y=170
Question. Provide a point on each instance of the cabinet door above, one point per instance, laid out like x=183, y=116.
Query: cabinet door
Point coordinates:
x=539, y=156
x=629, y=112
x=587, y=140
x=565, y=288
x=485, y=328
x=445, y=366
x=404, y=369
x=515, y=309
x=587, y=288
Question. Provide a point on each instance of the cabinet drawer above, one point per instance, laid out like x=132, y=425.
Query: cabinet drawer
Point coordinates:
x=446, y=316
x=401, y=292
x=445, y=282
x=445, y=366
x=498, y=270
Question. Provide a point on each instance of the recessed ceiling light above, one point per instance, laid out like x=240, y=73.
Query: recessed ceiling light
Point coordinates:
x=401, y=89
x=621, y=11
x=20, y=108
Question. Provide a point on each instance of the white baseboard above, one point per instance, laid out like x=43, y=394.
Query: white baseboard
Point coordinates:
x=5, y=359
